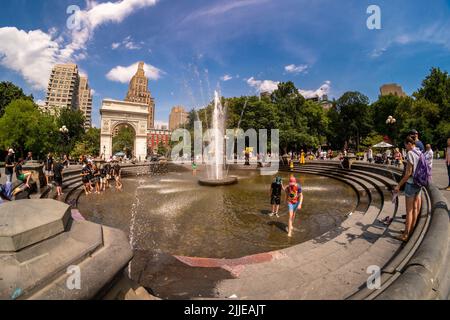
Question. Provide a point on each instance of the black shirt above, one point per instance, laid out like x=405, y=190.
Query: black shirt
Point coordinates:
x=48, y=164
x=9, y=161
x=276, y=189
x=57, y=170
x=117, y=169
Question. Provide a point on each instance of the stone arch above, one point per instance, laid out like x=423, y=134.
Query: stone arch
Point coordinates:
x=119, y=113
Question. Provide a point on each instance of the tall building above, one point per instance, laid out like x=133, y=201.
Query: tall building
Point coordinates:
x=178, y=118
x=393, y=89
x=138, y=92
x=85, y=101
x=62, y=91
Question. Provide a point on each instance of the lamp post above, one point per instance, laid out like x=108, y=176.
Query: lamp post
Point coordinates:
x=104, y=153
x=390, y=121
x=65, y=133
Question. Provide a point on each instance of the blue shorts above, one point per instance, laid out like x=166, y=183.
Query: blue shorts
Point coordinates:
x=293, y=207
x=412, y=190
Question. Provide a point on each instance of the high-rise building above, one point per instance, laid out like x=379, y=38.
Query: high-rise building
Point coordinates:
x=178, y=118
x=138, y=92
x=393, y=89
x=62, y=91
x=85, y=101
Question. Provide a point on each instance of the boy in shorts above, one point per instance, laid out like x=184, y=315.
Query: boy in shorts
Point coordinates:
x=275, y=196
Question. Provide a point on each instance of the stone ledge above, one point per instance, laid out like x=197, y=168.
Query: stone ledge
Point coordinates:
x=26, y=222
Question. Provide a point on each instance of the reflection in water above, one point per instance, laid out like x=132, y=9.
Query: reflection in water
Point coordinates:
x=173, y=214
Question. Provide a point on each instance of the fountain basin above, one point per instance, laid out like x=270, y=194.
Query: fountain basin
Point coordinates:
x=216, y=183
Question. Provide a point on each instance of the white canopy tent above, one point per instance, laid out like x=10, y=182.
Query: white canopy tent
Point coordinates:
x=383, y=145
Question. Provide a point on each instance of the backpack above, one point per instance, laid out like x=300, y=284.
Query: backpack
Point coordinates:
x=422, y=175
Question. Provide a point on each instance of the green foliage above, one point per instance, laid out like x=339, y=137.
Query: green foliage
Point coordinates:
x=88, y=145
x=25, y=128
x=124, y=141
x=10, y=92
x=162, y=150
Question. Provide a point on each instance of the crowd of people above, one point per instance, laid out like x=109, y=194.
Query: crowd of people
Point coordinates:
x=96, y=177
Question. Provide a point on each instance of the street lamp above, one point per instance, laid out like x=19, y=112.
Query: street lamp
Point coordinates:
x=104, y=152
x=390, y=121
x=65, y=132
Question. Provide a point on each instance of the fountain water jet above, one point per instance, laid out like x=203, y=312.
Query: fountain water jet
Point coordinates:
x=215, y=165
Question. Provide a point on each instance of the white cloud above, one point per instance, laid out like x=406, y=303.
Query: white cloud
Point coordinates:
x=34, y=53
x=263, y=85
x=124, y=74
x=226, y=77
x=292, y=68
x=127, y=43
x=222, y=9
x=323, y=90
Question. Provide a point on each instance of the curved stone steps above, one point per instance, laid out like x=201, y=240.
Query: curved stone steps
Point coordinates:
x=329, y=261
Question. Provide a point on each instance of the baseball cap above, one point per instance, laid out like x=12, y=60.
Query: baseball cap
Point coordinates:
x=413, y=131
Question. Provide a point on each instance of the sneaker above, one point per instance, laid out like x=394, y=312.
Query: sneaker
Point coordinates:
x=277, y=215
x=271, y=214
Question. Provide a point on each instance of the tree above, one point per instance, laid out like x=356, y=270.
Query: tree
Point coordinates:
x=124, y=141
x=162, y=149
x=353, y=108
x=74, y=121
x=436, y=89
x=25, y=128
x=10, y=92
x=88, y=145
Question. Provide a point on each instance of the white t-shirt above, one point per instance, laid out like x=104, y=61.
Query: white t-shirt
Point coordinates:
x=413, y=158
x=429, y=157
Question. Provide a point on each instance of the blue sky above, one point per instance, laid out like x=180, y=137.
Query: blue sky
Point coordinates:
x=192, y=47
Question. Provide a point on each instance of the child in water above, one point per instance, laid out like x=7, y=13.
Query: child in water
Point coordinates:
x=294, y=198
x=275, y=196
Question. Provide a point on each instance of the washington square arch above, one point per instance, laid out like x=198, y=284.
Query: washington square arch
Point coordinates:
x=136, y=112
x=121, y=113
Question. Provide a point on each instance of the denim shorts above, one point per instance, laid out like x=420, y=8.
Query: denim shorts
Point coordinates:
x=412, y=190
x=293, y=207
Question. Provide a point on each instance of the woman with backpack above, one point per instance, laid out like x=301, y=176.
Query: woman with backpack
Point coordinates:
x=414, y=182
x=294, y=198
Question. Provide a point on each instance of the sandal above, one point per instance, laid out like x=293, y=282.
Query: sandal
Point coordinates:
x=402, y=238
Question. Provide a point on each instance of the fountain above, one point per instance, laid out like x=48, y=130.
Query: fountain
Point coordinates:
x=215, y=160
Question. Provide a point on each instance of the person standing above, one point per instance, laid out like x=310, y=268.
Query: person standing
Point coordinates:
x=29, y=156
x=58, y=169
x=302, y=157
x=398, y=157
x=447, y=161
x=117, y=175
x=48, y=167
x=275, y=196
x=194, y=168
x=419, y=144
x=85, y=174
x=294, y=198
x=66, y=161
x=370, y=155
x=412, y=190
x=9, y=166
x=429, y=154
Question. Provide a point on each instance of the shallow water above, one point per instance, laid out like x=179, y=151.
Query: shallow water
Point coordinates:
x=173, y=214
